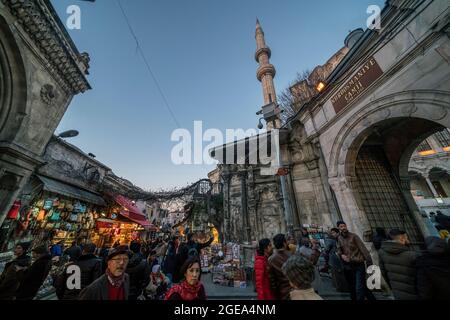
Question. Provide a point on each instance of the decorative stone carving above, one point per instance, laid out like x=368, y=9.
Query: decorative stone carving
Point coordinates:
x=301, y=151
x=409, y=109
x=439, y=113
x=268, y=192
x=48, y=94
x=64, y=60
x=9, y=182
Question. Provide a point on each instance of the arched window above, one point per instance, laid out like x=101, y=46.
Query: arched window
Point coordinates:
x=443, y=137
x=424, y=146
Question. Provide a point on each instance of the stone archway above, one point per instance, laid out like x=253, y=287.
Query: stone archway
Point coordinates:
x=13, y=86
x=14, y=171
x=403, y=120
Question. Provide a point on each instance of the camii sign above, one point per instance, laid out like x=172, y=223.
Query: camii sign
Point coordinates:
x=362, y=79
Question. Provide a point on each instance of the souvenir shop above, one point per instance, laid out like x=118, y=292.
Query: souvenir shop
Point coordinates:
x=115, y=229
x=58, y=213
x=227, y=264
x=122, y=222
x=229, y=269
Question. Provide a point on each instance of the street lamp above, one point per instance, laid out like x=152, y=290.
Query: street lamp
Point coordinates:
x=68, y=134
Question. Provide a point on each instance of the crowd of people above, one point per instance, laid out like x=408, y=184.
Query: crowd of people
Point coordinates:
x=285, y=268
x=290, y=270
x=143, y=270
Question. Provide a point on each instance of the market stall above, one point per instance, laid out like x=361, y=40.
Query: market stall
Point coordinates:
x=317, y=232
x=122, y=223
x=58, y=212
x=226, y=264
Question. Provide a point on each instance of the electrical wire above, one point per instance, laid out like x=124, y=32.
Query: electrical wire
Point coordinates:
x=147, y=64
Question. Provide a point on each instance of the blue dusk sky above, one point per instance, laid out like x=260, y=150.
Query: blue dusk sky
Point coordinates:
x=202, y=54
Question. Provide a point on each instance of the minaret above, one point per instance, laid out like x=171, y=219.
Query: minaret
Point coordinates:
x=266, y=72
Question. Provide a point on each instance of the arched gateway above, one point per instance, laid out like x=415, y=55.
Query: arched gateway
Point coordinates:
x=368, y=164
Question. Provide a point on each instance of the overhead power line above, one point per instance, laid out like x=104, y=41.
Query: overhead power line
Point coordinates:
x=147, y=64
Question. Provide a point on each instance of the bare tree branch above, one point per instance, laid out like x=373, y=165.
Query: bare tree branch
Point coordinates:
x=287, y=99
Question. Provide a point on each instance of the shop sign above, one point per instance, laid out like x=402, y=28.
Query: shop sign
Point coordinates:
x=354, y=87
x=102, y=224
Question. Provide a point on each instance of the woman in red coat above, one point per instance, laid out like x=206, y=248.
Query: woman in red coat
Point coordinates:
x=261, y=272
x=190, y=288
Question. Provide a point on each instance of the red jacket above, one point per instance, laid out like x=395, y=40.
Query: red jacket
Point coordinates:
x=262, y=279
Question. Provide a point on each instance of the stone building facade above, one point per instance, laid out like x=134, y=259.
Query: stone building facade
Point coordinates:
x=253, y=206
x=352, y=144
x=387, y=94
x=66, y=164
x=41, y=70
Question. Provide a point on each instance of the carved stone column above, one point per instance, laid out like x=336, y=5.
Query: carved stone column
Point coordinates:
x=226, y=176
x=405, y=187
x=431, y=186
x=247, y=228
x=346, y=191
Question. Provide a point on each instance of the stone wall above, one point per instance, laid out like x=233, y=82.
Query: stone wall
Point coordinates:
x=252, y=204
x=40, y=71
x=414, y=60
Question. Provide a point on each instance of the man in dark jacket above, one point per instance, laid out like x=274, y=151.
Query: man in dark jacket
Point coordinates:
x=91, y=269
x=169, y=260
x=180, y=258
x=139, y=272
x=9, y=280
x=33, y=277
x=279, y=283
x=333, y=262
x=195, y=247
x=115, y=283
x=443, y=220
x=398, y=265
x=74, y=251
x=355, y=258
x=379, y=238
x=433, y=270
x=187, y=249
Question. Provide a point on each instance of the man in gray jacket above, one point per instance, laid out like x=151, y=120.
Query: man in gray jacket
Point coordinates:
x=115, y=283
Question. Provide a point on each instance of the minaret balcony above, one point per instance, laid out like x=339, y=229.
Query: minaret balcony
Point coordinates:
x=261, y=51
x=265, y=69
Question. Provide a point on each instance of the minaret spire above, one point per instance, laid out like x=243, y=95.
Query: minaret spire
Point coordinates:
x=266, y=71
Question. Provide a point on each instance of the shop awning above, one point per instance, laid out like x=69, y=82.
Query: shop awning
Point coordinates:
x=139, y=220
x=129, y=206
x=132, y=212
x=70, y=191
